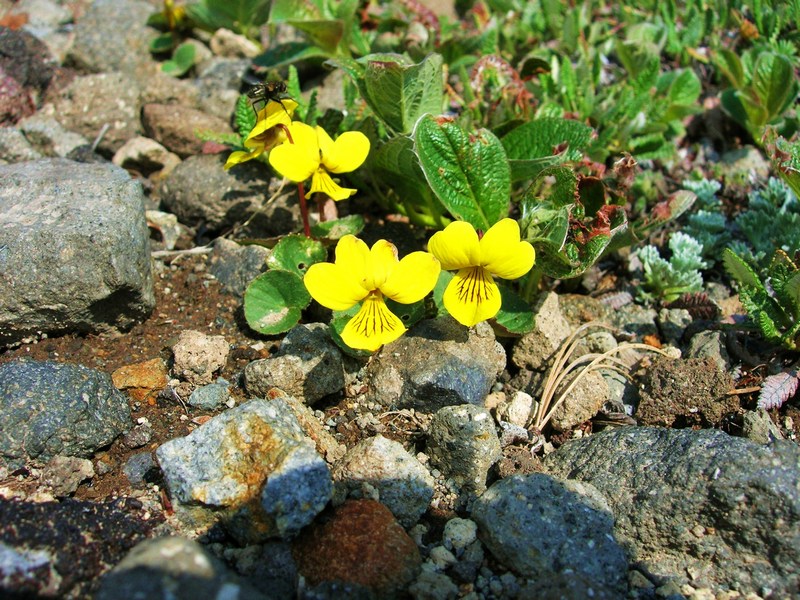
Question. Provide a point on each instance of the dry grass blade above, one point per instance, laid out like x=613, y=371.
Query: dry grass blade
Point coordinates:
x=548, y=402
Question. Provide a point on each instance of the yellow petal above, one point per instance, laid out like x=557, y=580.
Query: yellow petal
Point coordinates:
x=291, y=162
x=346, y=154
x=382, y=261
x=332, y=286
x=472, y=296
x=273, y=113
x=298, y=157
x=322, y=182
x=238, y=157
x=352, y=255
x=412, y=278
x=502, y=252
x=373, y=326
x=456, y=246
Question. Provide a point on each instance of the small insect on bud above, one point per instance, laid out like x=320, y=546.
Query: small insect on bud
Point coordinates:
x=266, y=92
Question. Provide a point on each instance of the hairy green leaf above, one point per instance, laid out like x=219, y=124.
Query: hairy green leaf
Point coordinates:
x=469, y=173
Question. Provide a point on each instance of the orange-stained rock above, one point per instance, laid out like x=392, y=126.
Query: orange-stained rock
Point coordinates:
x=141, y=380
x=361, y=543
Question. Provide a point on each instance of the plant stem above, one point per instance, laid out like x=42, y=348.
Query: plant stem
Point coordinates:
x=301, y=190
x=532, y=283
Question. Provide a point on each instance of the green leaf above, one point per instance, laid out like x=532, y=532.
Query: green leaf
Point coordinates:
x=241, y=16
x=162, y=43
x=244, y=117
x=685, y=88
x=541, y=138
x=295, y=253
x=445, y=277
x=400, y=93
x=469, y=173
x=274, y=301
x=282, y=55
x=529, y=169
x=338, y=228
x=284, y=11
x=740, y=270
x=730, y=65
x=571, y=260
x=516, y=315
x=409, y=314
x=325, y=34
x=774, y=82
x=395, y=170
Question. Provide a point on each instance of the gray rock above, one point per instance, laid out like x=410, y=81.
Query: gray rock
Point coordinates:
x=539, y=526
x=724, y=510
x=176, y=127
x=758, y=427
x=197, y=356
x=91, y=102
x=469, y=562
x=308, y=365
x=211, y=396
x=582, y=403
x=63, y=474
x=49, y=408
x=431, y=585
x=74, y=249
x=49, y=137
x=403, y=484
x=252, y=467
x=438, y=363
x=219, y=84
x=172, y=567
x=269, y=567
x=145, y=156
x=673, y=322
x=15, y=147
x=48, y=21
x=140, y=468
x=200, y=191
x=139, y=436
x=463, y=445
x=125, y=22
x=535, y=350
x=236, y=266
x=635, y=319
x=710, y=344
x=458, y=534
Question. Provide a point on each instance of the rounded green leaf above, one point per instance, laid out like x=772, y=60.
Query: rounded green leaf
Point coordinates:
x=162, y=43
x=296, y=253
x=274, y=301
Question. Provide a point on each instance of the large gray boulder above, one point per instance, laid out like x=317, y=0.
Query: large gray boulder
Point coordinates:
x=74, y=249
x=722, y=510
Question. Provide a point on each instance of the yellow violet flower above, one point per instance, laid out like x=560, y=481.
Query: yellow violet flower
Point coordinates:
x=266, y=134
x=473, y=296
x=360, y=273
x=312, y=153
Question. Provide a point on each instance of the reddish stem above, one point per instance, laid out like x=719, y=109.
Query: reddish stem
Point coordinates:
x=301, y=190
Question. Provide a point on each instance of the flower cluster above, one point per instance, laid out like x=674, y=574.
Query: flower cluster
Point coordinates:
x=298, y=151
x=368, y=275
